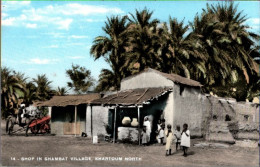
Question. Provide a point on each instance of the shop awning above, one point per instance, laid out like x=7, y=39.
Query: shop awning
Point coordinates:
x=132, y=97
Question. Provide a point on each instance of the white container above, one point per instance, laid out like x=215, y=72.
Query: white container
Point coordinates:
x=126, y=121
x=134, y=123
x=95, y=139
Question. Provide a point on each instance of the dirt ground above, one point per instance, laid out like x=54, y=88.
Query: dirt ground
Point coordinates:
x=26, y=151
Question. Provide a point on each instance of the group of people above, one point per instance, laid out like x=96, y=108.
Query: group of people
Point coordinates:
x=167, y=136
x=181, y=138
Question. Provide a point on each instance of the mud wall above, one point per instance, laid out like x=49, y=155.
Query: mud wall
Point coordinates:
x=248, y=120
x=230, y=120
x=145, y=80
x=188, y=107
x=99, y=120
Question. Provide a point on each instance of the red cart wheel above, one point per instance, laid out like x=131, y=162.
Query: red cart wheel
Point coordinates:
x=34, y=129
x=47, y=128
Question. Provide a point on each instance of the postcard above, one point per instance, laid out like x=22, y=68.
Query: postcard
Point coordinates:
x=130, y=83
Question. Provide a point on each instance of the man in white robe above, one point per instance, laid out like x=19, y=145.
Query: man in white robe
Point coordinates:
x=147, y=124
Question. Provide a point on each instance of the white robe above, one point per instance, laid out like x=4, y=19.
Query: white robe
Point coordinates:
x=160, y=132
x=148, y=126
x=168, y=140
x=185, y=140
x=148, y=129
x=178, y=138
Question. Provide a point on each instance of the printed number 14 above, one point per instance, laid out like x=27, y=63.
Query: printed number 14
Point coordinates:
x=13, y=158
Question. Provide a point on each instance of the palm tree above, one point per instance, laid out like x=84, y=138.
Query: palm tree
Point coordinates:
x=113, y=48
x=106, y=81
x=43, y=88
x=179, y=52
x=30, y=94
x=236, y=32
x=81, y=79
x=207, y=36
x=144, y=41
x=10, y=90
x=61, y=91
x=228, y=45
x=243, y=45
x=22, y=80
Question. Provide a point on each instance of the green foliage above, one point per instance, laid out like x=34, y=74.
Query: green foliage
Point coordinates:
x=44, y=111
x=230, y=49
x=113, y=47
x=11, y=88
x=30, y=93
x=43, y=88
x=217, y=50
x=61, y=91
x=16, y=90
x=81, y=79
x=144, y=41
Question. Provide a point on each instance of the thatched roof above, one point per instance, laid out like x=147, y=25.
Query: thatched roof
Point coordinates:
x=69, y=100
x=132, y=96
x=173, y=77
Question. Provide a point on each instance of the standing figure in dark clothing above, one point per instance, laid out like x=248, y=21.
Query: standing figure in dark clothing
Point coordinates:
x=21, y=112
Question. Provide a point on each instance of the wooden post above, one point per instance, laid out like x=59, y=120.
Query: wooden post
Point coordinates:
x=86, y=118
x=91, y=122
x=114, y=136
x=139, y=133
x=75, y=127
x=49, y=112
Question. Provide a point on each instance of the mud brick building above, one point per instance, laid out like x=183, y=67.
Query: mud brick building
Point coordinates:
x=158, y=95
x=63, y=111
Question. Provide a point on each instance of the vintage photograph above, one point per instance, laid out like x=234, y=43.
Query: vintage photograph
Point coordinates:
x=130, y=83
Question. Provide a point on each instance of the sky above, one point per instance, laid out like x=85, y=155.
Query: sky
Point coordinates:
x=47, y=37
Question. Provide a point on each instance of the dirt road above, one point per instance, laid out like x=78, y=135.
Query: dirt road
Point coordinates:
x=26, y=151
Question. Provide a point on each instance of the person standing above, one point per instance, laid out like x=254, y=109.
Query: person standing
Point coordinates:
x=144, y=137
x=160, y=136
x=163, y=127
x=21, y=113
x=147, y=124
x=185, y=139
x=177, y=135
x=169, y=137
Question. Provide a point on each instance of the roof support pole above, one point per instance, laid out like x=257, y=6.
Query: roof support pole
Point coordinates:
x=91, y=122
x=114, y=136
x=49, y=112
x=139, y=132
x=75, y=127
x=86, y=118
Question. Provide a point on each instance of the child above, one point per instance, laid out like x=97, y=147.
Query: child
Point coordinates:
x=177, y=135
x=161, y=135
x=163, y=123
x=169, y=136
x=185, y=139
x=144, y=136
x=163, y=127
